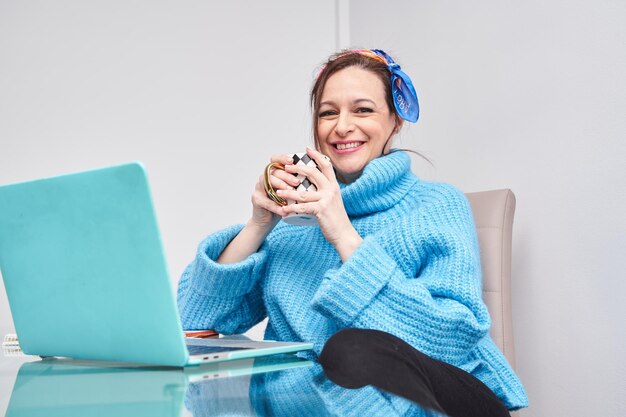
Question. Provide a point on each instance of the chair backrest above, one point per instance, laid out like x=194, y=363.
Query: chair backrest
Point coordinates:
x=493, y=214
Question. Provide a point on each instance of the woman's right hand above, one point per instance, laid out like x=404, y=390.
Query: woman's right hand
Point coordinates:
x=265, y=212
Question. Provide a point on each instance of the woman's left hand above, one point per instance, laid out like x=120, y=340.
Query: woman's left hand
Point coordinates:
x=326, y=204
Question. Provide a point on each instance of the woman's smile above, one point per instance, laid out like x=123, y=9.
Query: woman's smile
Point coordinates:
x=347, y=146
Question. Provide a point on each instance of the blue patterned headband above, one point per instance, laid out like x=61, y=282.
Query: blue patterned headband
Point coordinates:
x=402, y=90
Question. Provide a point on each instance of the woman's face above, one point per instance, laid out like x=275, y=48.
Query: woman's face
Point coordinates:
x=354, y=122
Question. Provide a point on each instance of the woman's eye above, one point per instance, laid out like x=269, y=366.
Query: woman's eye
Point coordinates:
x=327, y=113
x=364, y=110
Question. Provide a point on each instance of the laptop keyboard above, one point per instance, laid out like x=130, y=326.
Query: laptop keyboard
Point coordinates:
x=203, y=350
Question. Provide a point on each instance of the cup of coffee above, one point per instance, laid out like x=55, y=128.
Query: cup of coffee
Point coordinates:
x=305, y=185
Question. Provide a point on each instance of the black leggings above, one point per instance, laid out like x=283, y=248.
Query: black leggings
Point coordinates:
x=353, y=358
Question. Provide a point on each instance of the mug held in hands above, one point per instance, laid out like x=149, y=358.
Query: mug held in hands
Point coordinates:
x=305, y=185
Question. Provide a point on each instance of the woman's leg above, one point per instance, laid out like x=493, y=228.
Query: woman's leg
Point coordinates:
x=353, y=358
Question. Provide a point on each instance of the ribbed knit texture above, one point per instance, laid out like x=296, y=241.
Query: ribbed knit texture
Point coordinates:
x=416, y=275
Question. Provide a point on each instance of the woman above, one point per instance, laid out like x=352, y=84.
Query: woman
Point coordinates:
x=391, y=252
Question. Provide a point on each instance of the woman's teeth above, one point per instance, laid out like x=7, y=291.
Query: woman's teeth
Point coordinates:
x=341, y=146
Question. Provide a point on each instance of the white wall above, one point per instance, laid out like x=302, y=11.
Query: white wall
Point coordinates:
x=532, y=96
x=202, y=92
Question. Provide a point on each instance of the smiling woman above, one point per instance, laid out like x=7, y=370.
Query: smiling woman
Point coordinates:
x=391, y=254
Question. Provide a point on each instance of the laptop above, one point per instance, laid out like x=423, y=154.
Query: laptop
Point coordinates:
x=58, y=387
x=86, y=277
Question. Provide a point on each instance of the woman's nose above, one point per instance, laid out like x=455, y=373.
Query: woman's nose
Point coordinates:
x=344, y=125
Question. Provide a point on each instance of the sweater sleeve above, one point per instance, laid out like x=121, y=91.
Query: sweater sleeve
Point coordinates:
x=223, y=297
x=419, y=279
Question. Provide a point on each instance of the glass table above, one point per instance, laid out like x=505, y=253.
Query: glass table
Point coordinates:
x=280, y=385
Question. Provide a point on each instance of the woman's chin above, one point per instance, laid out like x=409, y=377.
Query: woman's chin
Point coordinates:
x=348, y=176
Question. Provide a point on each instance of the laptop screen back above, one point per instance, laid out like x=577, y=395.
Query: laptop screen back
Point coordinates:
x=84, y=269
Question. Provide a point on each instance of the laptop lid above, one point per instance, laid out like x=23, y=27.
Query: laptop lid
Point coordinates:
x=84, y=269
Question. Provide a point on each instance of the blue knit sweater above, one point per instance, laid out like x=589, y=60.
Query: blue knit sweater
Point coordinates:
x=416, y=275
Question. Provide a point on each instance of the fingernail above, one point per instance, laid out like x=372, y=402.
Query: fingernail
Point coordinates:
x=279, y=191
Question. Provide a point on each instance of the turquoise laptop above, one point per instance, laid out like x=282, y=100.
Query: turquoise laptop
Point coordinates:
x=86, y=277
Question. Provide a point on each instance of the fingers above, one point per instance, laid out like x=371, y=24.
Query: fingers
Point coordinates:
x=323, y=174
x=300, y=196
x=261, y=200
x=283, y=180
x=279, y=178
x=267, y=204
x=282, y=159
x=323, y=163
x=301, y=208
x=313, y=174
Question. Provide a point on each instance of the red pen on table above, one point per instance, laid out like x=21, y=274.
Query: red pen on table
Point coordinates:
x=200, y=334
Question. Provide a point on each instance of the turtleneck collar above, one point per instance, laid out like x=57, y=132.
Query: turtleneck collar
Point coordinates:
x=384, y=181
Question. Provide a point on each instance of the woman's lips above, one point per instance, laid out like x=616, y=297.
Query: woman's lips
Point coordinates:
x=350, y=148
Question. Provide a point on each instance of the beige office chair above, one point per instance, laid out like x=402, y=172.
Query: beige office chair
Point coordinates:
x=493, y=214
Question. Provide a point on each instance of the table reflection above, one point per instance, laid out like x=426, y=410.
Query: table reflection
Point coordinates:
x=282, y=385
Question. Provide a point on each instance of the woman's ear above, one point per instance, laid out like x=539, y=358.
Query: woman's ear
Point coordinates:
x=399, y=124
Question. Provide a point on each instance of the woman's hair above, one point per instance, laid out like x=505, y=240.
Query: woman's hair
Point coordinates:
x=343, y=60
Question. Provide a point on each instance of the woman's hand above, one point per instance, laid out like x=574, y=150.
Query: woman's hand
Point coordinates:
x=326, y=204
x=265, y=214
